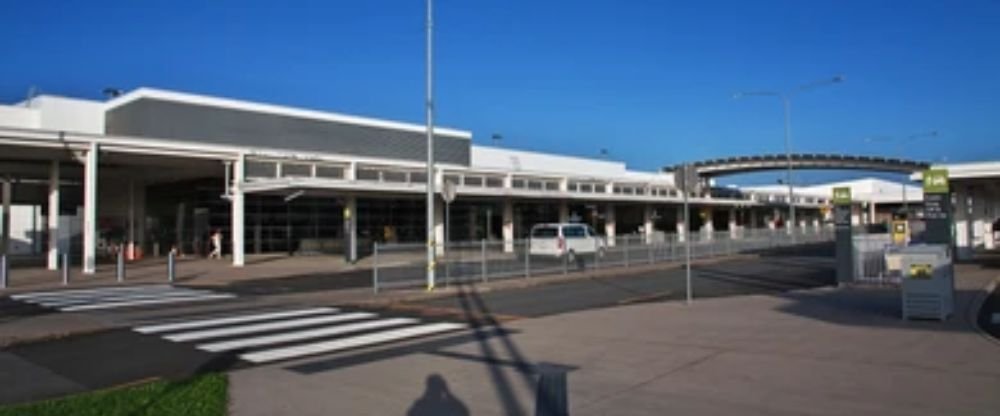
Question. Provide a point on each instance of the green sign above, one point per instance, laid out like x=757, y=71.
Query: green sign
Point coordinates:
x=842, y=196
x=936, y=181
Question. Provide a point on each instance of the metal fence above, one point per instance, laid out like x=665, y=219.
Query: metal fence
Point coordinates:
x=405, y=265
x=870, y=259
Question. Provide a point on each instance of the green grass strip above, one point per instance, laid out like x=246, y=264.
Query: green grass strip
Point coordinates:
x=200, y=396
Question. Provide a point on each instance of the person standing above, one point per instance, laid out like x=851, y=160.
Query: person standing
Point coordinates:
x=216, y=245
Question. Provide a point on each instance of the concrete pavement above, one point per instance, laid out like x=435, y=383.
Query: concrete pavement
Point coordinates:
x=817, y=352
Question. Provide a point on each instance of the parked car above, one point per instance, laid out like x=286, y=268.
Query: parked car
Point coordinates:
x=569, y=240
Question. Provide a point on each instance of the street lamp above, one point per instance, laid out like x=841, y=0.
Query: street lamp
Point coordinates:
x=429, y=106
x=903, y=141
x=786, y=100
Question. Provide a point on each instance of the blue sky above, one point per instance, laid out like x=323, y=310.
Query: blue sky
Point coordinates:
x=651, y=81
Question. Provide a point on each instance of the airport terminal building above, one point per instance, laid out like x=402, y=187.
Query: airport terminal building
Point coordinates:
x=153, y=170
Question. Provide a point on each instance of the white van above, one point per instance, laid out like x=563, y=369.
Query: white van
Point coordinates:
x=570, y=240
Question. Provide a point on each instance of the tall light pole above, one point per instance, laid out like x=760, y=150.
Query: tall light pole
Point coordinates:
x=431, y=249
x=903, y=141
x=786, y=100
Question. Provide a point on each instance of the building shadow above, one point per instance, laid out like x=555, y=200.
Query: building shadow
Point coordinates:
x=437, y=400
x=877, y=307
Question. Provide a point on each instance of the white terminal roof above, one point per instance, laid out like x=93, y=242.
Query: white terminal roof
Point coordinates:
x=529, y=162
x=875, y=190
x=967, y=170
x=174, y=96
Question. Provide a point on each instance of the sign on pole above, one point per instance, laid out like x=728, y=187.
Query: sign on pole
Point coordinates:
x=448, y=191
x=844, y=236
x=686, y=178
x=937, y=207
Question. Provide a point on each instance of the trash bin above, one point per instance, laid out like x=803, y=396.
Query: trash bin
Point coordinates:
x=928, y=282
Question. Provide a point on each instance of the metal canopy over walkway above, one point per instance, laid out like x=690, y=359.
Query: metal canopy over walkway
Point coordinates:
x=745, y=164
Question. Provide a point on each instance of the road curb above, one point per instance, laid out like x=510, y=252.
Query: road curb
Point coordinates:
x=977, y=306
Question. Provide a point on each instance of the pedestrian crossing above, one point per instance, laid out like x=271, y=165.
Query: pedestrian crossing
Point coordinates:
x=282, y=335
x=80, y=300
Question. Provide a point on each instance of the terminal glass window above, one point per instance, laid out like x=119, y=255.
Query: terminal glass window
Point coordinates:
x=393, y=176
x=296, y=170
x=473, y=181
x=261, y=169
x=369, y=174
x=494, y=182
x=329, y=172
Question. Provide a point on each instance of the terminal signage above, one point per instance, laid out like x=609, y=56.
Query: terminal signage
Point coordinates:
x=842, y=195
x=842, y=227
x=936, y=181
x=937, y=207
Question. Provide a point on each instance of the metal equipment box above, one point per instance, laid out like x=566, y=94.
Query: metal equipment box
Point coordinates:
x=928, y=282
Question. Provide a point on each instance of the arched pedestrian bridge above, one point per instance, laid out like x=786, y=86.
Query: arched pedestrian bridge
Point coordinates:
x=747, y=164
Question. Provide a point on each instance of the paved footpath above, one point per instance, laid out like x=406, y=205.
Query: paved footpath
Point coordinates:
x=814, y=352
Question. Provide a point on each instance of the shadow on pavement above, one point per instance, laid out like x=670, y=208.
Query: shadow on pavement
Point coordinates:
x=873, y=307
x=437, y=400
x=484, y=327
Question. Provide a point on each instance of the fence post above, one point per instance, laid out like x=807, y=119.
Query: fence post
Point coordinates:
x=527, y=259
x=3, y=271
x=447, y=263
x=171, y=267
x=483, y=255
x=65, y=268
x=597, y=253
x=120, y=266
x=565, y=261
x=626, y=252
x=650, y=246
x=375, y=268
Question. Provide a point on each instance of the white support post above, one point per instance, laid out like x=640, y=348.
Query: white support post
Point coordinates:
x=610, y=227
x=871, y=212
x=53, y=216
x=563, y=212
x=239, y=208
x=679, y=224
x=647, y=223
x=5, y=220
x=508, y=226
x=989, y=242
x=90, y=210
x=130, y=250
x=351, y=227
x=963, y=223
x=439, y=226
x=708, y=224
x=733, y=232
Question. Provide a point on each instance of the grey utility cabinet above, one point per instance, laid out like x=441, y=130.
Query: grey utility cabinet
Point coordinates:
x=928, y=281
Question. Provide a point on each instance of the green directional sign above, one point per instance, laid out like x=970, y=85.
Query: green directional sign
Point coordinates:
x=842, y=196
x=936, y=181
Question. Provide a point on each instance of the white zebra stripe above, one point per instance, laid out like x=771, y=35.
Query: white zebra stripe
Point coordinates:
x=118, y=298
x=268, y=326
x=65, y=293
x=141, y=302
x=348, y=343
x=302, y=335
x=153, y=329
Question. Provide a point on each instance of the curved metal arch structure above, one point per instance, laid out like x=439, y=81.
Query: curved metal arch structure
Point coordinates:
x=746, y=164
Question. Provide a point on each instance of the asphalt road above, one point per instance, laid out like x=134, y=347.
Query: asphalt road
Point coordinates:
x=774, y=273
